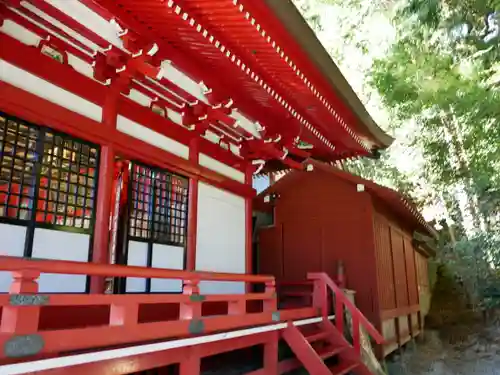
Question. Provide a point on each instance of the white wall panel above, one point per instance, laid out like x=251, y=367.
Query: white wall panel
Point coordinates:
x=20, y=33
x=215, y=165
x=137, y=256
x=147, y=135
x=81, y=66
x=88, y=18
x=220, y=244
x=139, y=98
x=169, y=257
x=60, y=245
x=12, y=240
x=48, y=91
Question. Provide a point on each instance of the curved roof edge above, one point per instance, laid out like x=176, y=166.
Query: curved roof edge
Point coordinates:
x=296, y=25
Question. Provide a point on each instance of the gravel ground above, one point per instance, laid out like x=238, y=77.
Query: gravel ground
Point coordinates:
x=460, y=351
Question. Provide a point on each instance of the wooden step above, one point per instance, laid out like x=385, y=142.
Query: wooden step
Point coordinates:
x=343, y=368
x=330, y=351
x=317, y=336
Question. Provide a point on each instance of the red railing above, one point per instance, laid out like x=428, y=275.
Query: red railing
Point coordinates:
x=322, y=282
x=23, y=335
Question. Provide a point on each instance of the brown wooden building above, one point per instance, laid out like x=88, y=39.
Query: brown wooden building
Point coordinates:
x=322, y=216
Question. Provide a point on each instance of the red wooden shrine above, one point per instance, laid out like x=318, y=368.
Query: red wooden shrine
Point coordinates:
x=129, y=134
x=323, y=219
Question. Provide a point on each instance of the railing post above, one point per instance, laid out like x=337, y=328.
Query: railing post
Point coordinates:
x=21, y=316
x=339, y=313
x=238, y=307
x=192, y=309
x=272, y=303
x=124, y=314
x=320, y=296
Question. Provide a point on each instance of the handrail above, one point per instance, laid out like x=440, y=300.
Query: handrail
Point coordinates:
x=66, y=267
x=341, y=300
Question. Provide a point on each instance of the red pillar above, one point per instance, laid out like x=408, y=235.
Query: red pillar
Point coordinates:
x=100, y=245
x=248, y=225
x=271, y=354
x=192, y=210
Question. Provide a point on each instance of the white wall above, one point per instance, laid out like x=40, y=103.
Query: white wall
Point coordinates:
x=215, y=165
x=220, y=243
x=47, y=244
x=26, y=81
x=137, y=256
x=12, y=240
x=60, y=245
x=170, y=257
x=164, y=256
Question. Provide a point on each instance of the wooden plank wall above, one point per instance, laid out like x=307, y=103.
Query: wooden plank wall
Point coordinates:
x=397, y=282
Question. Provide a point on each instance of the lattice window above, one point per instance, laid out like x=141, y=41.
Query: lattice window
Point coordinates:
x=52, y=172
x=158, y=206
x=17, y=168
x=68, y=182
x=141, y=179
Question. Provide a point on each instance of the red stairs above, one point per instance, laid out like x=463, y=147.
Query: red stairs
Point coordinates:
x=322, y=348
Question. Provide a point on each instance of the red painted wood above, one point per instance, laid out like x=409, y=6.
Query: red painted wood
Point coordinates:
x=100, y=246
x=398, y=257
x=249, y=224
x=35, y=109
x=155, y=360
x=191, y=365
x=342, y=299
x=21, y=319
x=332, y=215
x=411, y=272
x=192, y=211
x=385, y=273
x=79, y=268
x=271, y=354
x=304, y=351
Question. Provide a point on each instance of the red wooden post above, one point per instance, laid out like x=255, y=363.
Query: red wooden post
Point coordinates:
x=271, y=354
x=124, y=314
x=249, y=226
x=192, y=309
x=100, y=247
x=339, y=312
x=271, y=304
x=22, y=314
x=192, y=210
x=238, y=307
x=320, y=297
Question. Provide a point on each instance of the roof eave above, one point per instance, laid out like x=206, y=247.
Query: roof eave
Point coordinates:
x=295, y=24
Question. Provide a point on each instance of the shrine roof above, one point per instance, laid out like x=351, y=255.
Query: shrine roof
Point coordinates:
x=263, y=55
x=248, y=75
